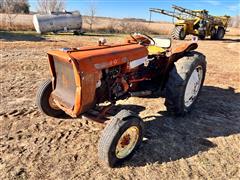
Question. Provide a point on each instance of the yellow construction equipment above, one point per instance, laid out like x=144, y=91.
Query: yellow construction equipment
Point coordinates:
x=195, y=22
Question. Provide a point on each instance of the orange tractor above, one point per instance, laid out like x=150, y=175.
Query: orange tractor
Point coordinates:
x=87, y=82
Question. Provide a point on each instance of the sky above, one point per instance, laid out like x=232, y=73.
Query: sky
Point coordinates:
x=140, y=8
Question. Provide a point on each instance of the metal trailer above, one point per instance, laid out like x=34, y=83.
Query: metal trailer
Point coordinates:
x=58, y=22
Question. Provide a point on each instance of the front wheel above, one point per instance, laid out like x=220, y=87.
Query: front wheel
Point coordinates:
x=185, y=82
x=120, y=138
x=45, y=102
x=179, y=33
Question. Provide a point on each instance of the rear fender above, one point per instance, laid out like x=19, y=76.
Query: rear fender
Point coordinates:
x=180, y=51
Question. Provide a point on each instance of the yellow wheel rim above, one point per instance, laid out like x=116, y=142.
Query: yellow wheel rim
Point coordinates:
x=127, y=142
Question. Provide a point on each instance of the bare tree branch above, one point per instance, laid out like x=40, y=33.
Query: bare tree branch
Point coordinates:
x=14, y=6
x=91, y=16
x=46, y=6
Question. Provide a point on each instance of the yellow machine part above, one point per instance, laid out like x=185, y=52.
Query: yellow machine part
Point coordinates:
x=155, y=50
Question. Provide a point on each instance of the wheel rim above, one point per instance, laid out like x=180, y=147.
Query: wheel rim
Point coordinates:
x=127, y=142
x=52, y=104
x=193, y=86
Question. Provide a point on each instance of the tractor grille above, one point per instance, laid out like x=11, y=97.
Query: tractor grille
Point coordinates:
x=65, y=84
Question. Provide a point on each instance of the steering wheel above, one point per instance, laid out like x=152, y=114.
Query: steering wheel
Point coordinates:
x=144, y=36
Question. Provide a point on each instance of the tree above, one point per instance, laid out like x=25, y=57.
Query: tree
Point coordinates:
x=8, y=8
x=14, y=6
x=1, y=5
x=46, y=6
x=91, y=16
x=22, y=6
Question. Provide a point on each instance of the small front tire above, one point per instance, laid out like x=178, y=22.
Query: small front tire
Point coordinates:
x=120, y=138
x=45, y=102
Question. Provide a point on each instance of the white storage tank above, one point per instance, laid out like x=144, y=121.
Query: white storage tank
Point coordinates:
x=60, y=21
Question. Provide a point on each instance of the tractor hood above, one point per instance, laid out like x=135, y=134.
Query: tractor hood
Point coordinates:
x=75, y=72
x=101, y=57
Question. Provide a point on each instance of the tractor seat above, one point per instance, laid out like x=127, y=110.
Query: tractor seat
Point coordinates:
x=154, y=50
x=161, y=45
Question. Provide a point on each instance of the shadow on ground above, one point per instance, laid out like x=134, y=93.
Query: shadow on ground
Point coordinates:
x=216, y=114
x=32, y=36
x=17, y=36
x=230, y=40
x=134, y=108
x=225, y=40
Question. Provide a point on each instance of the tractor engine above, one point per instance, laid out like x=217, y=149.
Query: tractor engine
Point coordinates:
x=113, y=86
x=116, y=82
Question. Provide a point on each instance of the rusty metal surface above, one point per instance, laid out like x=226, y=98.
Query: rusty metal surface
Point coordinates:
x=88, y=63
x=65, y=84
x=76, y=72
x=180, y=51
x=100, y=57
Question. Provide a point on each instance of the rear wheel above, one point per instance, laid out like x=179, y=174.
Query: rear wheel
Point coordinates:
x=218, y=34
x=178, y=33
x=45, y=102
x=184, y=83
x=120, y=138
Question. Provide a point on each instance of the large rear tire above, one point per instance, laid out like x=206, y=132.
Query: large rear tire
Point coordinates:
x=45, y=102
x=120, y=138
x=219, y=34
x=184, y=83
x=178, y=33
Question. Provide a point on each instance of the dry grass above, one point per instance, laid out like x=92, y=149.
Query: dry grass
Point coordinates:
x=202, y=145
x=233, y=31
x=124, y=26
x=104, y=25
x=18, y=22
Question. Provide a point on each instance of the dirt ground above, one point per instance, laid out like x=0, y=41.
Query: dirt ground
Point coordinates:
x=205, y=144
